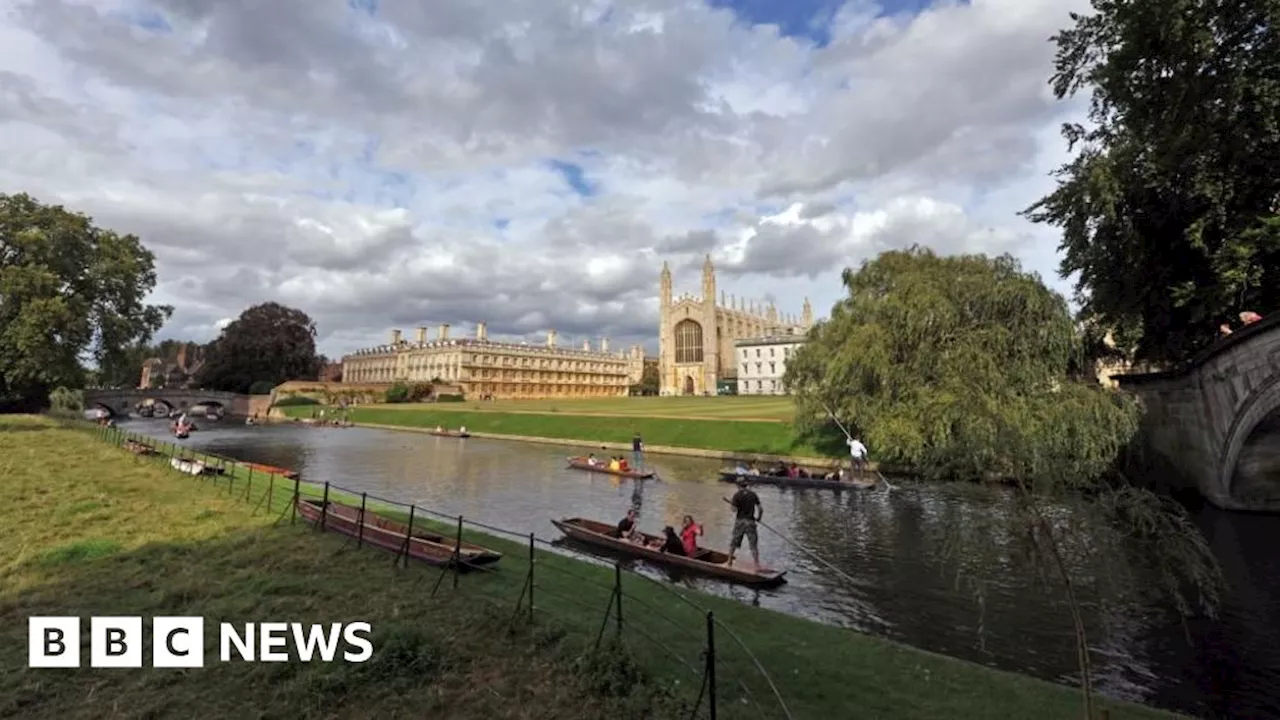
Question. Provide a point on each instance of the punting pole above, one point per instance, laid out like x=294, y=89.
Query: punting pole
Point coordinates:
x=850, y=437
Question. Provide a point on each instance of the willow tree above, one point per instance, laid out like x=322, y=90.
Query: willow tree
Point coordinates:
x=962, y=368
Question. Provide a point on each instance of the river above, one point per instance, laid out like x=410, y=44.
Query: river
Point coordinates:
x=938, y=567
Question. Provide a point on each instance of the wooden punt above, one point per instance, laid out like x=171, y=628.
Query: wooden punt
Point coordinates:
x=138, y=448
x=580, y=463
x=379, y=531
x=269, y=469
x=800, y=482
x=711, y=563
x=448, y=433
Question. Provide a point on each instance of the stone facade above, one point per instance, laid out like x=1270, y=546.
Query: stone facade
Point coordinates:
x=502, y=370
x=176, y=372
x=696, y=335
x=763, y=361
x=1199, y=416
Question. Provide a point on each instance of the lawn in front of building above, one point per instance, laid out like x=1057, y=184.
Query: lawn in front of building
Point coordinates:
x=727, y=407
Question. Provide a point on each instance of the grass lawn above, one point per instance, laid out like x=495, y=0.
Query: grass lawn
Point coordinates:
x=737, y=436
x=92, y=530
x=727, y=407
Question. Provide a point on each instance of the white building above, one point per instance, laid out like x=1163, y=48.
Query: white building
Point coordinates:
x=762, y=362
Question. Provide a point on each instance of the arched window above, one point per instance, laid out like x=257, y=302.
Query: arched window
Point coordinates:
x=688, y=342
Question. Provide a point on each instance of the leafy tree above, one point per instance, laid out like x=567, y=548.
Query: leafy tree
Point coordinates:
x=65, y=401
x=268, y=342
x=648, y=384
x=1169, y=209
x=69, y=291
x=961, y=367
x=262, y=387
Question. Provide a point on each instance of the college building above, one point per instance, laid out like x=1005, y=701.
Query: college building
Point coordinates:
x=698, y=338
x=486, y=368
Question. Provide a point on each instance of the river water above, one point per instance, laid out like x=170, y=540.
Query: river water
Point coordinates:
x=935, y=566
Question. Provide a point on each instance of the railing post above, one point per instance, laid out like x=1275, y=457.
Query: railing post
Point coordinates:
x=249, y=482
x=408, y=537
x=324, y=507
x=457, y=554
x=617, y=596
x=531, y=562
x=271, y=487
x=360, y=533
x=711, y=664
x=293, y=511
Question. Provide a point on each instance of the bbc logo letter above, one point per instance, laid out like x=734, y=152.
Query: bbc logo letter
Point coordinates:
x=177, y=642
x=53, y=642
x=115, y=642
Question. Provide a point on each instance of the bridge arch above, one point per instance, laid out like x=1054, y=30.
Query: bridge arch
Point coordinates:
x=1257, y=405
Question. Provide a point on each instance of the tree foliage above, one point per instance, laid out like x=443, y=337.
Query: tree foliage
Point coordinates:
x=1169, y=209
x=959, y=367
x=268, y=342
x=69, y=292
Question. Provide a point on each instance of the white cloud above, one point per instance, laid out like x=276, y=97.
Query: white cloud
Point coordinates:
x=395, y=170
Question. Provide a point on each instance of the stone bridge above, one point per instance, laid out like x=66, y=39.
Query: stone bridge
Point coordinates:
x=1200, y=415
x=124, y=402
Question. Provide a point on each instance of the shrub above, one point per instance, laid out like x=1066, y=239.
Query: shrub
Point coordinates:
x=397, y=394
x=296, y=400
x=262, y=387
x=450, y=398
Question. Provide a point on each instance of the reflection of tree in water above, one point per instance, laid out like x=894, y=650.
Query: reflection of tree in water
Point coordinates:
x=954, y=569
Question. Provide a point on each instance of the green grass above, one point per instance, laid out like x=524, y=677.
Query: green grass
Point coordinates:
x=207, y=547
x=727, y=407
x=773, y=438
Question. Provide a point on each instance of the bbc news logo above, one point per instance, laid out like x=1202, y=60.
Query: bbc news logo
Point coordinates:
x=178, y=642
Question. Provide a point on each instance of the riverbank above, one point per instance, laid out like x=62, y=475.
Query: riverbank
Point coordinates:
x=755, y=440
x=147, y=541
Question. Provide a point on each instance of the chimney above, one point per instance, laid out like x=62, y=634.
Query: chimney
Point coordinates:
x=604, y=344
x=482, y=331
x=444, y=332
x=422, y=335
x=586, y=345
x=551, y=338
x=395, y=337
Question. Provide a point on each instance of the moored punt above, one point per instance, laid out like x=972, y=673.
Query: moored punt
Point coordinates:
x=270, y=469
x=803, y=482
x=711, y=563
x=580, y=463
x=425, y=545
x=448, y=433
x=138, y=448
x=190, y=467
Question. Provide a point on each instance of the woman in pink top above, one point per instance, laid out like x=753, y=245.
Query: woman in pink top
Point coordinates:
x=689, y=533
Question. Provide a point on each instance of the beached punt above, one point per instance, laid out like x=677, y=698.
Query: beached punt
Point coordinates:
x=448, y=433
x=138, y=448
x=269, y=469
x=191, y=467
x=425, y=545
x=580, y=463
x=711, y=563
x=799, y=482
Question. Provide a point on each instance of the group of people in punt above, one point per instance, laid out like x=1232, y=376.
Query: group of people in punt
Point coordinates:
x=615, y=464
x=684, y=543
x=857, y=461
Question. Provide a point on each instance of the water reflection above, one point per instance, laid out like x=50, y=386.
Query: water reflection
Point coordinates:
x=946, y=568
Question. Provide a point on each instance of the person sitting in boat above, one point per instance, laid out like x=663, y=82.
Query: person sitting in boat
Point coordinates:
x=627, y=526
x=622, y=464
x=741, y=469
x=591, y=460
x=439, y=428
x=689, y=532
x=671, y=543
x=462, y=430
x=614, y=464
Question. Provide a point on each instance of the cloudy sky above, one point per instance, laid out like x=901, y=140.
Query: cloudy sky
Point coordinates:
x=530, y=163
